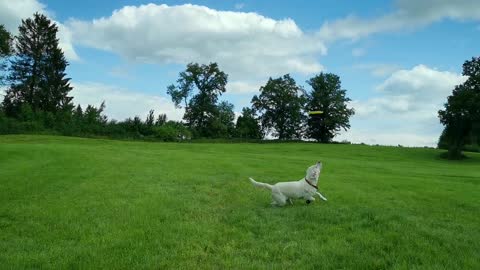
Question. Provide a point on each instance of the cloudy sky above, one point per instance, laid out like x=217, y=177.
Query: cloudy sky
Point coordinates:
x=398, y=60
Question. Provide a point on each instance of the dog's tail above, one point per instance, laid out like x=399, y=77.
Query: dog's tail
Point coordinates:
x=260, y=185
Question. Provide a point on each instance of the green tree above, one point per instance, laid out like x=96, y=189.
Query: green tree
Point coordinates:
x=226, y=118
x=77, y=119
x=37, y=71
x=279, y=106
x=161, y=119
x=150, y=118
x=172, y=131
x=55, y=86
x=247, y=125
x=5, y=41
x=149, y=123
x=461, y=116
x=327, y=96
x=201, y=110
x=5, y=50
x=94, y=120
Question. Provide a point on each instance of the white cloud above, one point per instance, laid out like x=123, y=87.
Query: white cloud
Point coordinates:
x=245, y=45
x=414, y=93
x=405, y=110
x=122, y=103
x=13, y=11
x=243, y=87
x=378, y=70
x=421, y=83
x=357, y=52
x=409, y=14
x=66, y=43
x=122, y=71
x=354, y=28
x=239, y=5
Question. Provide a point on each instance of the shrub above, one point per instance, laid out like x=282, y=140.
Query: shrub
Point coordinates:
x=172, y=132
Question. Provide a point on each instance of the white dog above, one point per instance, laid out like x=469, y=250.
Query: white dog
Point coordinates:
x=305, y=188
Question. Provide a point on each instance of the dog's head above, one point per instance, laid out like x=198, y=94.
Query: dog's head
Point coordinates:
x=313, y=172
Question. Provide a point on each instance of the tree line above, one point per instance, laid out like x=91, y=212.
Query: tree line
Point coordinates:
x=32, y=67
x=279, y=110
x=37, y=99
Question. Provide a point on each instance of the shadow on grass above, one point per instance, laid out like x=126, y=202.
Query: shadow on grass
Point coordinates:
x=446, y=156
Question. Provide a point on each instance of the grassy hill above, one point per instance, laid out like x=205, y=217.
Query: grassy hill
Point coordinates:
x=86, y=203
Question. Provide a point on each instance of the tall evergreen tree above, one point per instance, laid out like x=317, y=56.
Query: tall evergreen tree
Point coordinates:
x=280, y=106
x=5, y=50
x=37, y=71
x=327, y=96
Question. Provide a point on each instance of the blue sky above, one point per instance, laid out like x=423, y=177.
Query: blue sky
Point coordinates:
x=398, y=60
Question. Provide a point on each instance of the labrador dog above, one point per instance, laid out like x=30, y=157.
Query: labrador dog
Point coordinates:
x=304, y=188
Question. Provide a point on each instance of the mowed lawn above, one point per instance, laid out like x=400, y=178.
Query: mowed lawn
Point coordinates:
x=70, y=203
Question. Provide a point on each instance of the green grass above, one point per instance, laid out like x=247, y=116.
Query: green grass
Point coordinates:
x=72, y=203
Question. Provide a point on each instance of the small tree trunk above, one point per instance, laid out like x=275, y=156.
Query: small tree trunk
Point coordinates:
x=474, y=134
x=454, y=152
x=455, y=147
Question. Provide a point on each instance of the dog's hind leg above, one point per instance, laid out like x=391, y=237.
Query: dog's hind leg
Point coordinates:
x=278, y=198
x=290, y=201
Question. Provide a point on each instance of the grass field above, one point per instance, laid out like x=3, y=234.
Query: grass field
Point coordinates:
x=72, y=203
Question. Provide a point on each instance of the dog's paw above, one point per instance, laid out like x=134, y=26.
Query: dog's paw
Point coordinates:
x=308, y=201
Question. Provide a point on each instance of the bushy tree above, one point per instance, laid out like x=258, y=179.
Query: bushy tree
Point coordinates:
x=172, y=131
x=327, y=96
x=280, y=106
x=226, y=118
x=37, y=71
x=93, y=120
x=201, y=109
x=247, y=125
x=461, y=116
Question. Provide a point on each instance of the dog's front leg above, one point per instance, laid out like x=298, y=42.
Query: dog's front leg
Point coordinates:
x=290, y=201
x=321, y=196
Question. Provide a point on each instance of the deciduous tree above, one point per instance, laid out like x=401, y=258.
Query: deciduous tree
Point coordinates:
x=461, y=116
x=327, y=96
x=198, y=88
x=280, y=108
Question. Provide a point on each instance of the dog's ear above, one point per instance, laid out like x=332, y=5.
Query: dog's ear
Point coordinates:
x=319, y=163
